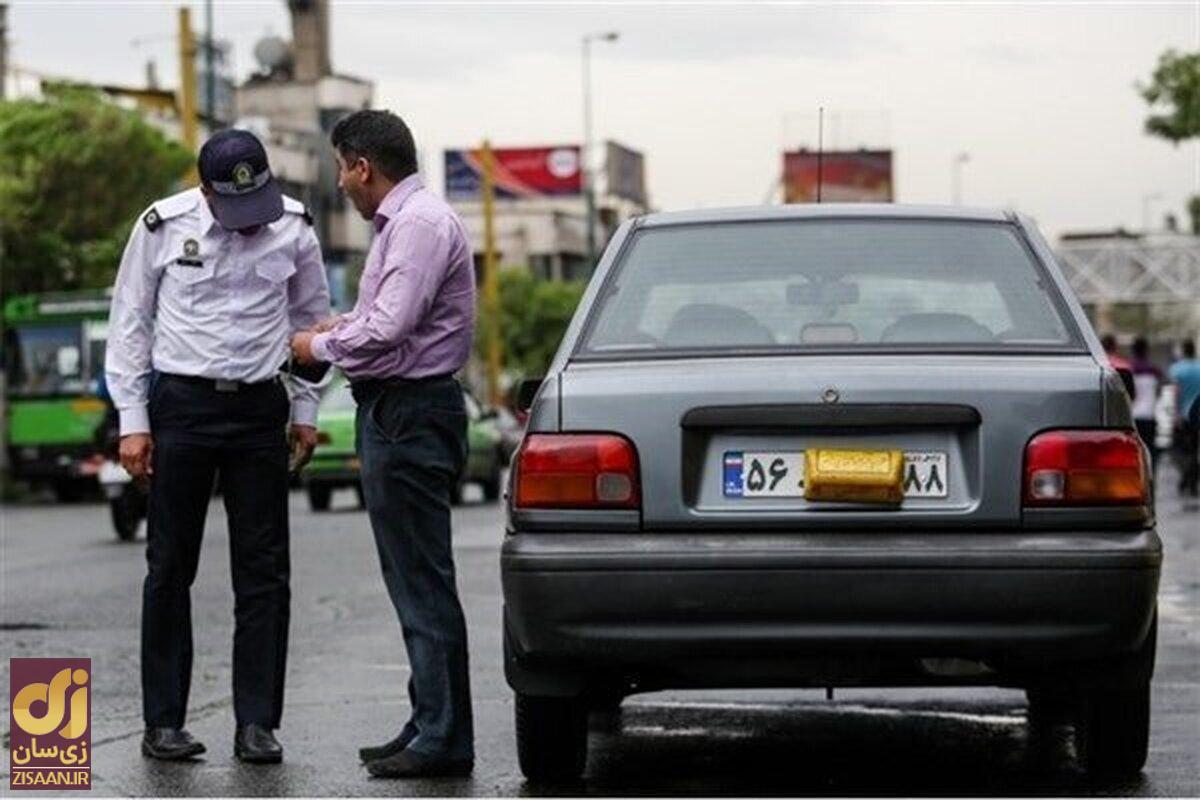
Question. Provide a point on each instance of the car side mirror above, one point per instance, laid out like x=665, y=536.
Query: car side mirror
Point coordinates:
x=527, y=391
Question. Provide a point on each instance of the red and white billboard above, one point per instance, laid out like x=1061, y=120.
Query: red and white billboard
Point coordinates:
x=520, y=172
x=847, y=176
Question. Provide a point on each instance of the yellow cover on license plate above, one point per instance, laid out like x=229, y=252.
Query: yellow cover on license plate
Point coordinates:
x=854, y=476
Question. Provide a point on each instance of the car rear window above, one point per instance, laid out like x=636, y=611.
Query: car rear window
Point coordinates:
x=816, y=284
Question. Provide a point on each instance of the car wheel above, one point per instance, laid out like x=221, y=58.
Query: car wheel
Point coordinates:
x=1115, y=735
x=551, y=737
x=319, y=496
x=69, y=490
x=362, y=497
x=127, y=513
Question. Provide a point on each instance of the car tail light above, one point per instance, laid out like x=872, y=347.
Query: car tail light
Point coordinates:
x=1085, y=468
x=577, y=470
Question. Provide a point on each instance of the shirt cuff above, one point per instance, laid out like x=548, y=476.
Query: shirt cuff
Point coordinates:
x=320, y=347
x=304, y=412
x=134, y=419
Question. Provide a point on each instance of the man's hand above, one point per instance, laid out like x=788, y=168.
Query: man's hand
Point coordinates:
x=327, y=324
x=136, y=451
x=302, y=347
x=303, y=439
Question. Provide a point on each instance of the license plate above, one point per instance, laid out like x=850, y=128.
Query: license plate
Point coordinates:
x=781, y=474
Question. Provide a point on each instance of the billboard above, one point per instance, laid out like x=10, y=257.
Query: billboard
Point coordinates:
x=848, y=176
x=625, y=170
x=520, y=172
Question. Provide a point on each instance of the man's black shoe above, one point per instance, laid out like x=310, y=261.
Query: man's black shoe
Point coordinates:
x=387, y=749
x=407, y=764
x=256, y=744
x=170, y=744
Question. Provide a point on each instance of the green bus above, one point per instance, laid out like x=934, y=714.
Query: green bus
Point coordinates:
x=53, y=364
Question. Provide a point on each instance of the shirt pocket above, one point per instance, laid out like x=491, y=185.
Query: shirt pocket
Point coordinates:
x=275, y=268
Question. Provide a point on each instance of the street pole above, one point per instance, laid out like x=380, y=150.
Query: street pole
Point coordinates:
x=210, y=80
x=588, y=195
x=589, y=179
x=956, y=177
x=187, y=87
x=491, y=277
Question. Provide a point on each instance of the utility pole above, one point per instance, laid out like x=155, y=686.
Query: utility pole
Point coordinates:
x=491, y=277
x=589, y=179
x=3, y=48
x=187, y=86
x=210, y=79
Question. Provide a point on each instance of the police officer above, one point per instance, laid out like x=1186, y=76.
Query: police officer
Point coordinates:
x=213, y=281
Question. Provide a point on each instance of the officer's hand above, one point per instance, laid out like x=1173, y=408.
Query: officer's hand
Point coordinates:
x=302, y=347
x=136, y=451
x=303, y=439
x=327, y=324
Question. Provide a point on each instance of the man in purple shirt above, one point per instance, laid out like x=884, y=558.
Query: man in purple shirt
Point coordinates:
x=409, y=332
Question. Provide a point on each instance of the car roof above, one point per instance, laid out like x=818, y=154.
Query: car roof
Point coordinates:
x=824, y=211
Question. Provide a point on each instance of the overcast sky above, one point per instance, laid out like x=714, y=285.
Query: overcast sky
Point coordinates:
x=1042, y=96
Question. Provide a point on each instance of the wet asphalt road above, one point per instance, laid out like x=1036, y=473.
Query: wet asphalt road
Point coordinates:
x=71, y=589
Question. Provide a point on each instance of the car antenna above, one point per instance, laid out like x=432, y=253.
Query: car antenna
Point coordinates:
x=820, y=148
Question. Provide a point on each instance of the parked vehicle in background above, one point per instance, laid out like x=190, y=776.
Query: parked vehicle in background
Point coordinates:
x=827, y=446
x=54, y=356
x=335, y=465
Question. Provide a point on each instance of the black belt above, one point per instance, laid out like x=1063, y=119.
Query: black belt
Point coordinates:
x=365, y=388
x=219, y=385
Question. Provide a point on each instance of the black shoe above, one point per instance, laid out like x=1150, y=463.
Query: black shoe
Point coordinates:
x=387, y=749
x=255, y=744
x=170, y=744
x=407, y=764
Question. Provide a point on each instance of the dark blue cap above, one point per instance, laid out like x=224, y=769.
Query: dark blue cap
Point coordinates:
x=243, y=192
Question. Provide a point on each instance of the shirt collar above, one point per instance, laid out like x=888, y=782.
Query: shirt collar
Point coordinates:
x=393, y=201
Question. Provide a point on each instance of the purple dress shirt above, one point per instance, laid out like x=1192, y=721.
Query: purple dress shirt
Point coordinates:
x=416, y=301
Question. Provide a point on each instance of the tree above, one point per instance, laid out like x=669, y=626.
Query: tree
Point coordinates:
x=1173, y=94
x=534, y=314
x=75, y=172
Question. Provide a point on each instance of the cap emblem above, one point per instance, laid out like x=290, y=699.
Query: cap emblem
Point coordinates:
x=243, y=176
x=191, y=248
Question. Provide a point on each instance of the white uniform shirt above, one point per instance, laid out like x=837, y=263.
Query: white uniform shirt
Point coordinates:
x=192, y=298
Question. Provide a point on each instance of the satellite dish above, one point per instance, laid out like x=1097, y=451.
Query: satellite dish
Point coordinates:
x=272, y=53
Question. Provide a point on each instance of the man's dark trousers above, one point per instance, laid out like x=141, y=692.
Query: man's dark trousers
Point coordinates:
x=412, y=441
x=200, y=433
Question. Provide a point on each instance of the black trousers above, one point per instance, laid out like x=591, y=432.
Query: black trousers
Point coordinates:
x=199, y=434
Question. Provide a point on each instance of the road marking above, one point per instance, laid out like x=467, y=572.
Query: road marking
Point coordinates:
x=1016, y=718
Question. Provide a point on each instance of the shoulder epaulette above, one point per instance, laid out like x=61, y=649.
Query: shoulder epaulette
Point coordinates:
x=296, y=207
x=170, y=207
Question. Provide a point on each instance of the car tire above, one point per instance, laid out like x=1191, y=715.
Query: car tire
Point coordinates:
x=360, y=493
x=69, y=490
x=319, y=496
x=551, y=737
x=127, y=512
x=1114, y=738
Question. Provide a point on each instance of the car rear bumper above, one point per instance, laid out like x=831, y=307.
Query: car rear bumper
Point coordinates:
x=816, y=609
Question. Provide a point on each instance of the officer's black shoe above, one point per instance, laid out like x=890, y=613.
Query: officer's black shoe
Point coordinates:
x=387, y=749
x=407, y=764
x=170, y=744
x=255, y=744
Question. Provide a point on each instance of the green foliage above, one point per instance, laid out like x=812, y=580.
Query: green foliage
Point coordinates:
x=1174, y=91
x=534, y=314
x=75, y=171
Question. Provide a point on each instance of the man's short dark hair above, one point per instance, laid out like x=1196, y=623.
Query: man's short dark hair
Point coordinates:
x=1141, y=347
x=1108, y=342
x=381, y=138
x=1189, y=348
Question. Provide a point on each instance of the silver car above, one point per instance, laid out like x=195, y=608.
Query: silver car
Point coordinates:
x=828, y=446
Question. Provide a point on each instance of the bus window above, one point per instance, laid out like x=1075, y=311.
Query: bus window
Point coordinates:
x=47, y=360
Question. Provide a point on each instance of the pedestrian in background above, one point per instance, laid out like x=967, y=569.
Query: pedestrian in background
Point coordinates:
x=213, y=282
x=1148, y=382
x=1185, y=373
x=401, y=345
